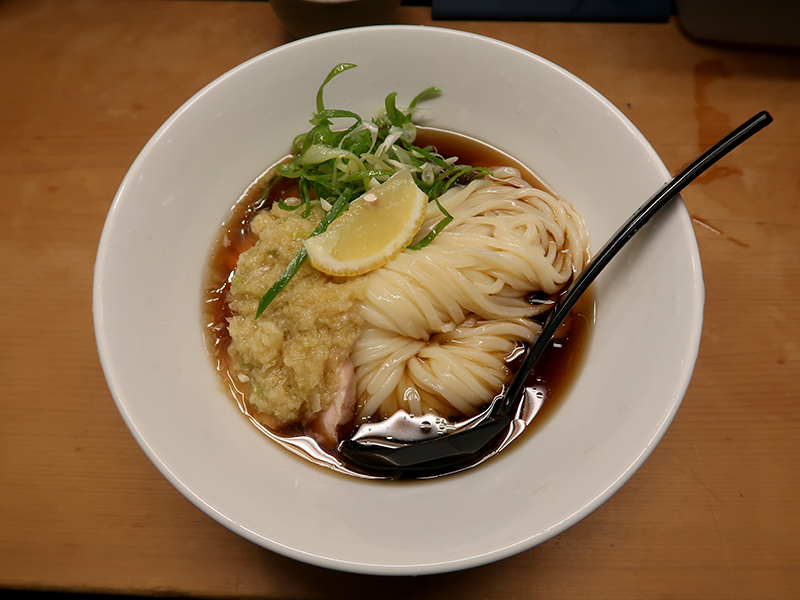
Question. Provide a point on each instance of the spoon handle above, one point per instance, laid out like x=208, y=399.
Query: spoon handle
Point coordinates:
x=656, y=202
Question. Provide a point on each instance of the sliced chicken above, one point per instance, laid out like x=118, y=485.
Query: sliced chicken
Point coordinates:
x=325, y=427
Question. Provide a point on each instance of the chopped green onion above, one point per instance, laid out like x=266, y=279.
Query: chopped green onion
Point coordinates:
x=369, y=173
x=396, y=118
x=340, y=68
x=437, y=229
x=421, y=95
x=289, y=272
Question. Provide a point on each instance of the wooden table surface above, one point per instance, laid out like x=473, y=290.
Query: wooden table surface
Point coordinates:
x=715, y=511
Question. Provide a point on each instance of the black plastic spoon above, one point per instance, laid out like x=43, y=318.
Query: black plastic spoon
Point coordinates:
x=490, y=431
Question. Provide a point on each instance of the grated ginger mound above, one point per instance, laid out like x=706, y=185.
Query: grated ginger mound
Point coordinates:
x=290, y=356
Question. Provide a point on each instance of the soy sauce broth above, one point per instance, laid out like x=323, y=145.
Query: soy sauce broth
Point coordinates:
x=555, y=371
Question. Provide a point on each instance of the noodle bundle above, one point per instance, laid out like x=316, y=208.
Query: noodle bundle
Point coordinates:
x=440, y=322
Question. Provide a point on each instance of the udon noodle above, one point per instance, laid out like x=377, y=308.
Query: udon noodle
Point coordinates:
x=439, y=323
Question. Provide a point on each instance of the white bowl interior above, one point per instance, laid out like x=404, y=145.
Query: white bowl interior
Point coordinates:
x=153, y=253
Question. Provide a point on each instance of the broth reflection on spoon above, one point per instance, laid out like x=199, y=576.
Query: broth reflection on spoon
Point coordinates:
x=426, y=446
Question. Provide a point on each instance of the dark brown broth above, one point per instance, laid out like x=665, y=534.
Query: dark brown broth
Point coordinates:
x=554, y=373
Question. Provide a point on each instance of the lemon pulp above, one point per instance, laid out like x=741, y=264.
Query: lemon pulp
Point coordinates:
x=376, y=227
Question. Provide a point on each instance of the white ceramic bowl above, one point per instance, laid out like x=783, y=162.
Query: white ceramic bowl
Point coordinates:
x=168, y=210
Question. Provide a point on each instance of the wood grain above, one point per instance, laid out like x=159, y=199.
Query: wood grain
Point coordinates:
x=712, y=514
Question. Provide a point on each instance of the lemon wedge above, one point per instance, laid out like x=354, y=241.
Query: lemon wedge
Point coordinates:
x=376, y=227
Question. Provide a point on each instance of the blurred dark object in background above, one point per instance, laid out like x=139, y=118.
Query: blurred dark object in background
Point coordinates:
x=552, y=10
x=308, y=17
x=764, y=23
